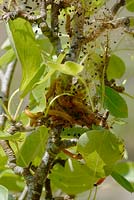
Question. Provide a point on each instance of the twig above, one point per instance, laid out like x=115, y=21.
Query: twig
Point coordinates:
x=29, y=180
x=65, y=144
x=77, y=38
x=108, y=25
x=117, y=6
x=11, y=157
x=55, y=27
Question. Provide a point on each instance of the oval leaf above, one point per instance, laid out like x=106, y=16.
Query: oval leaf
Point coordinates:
x=3, y=193
x=115, y=103
x=123, y=182
x=116, y=67
x=11, y=181
x=33, y=147
x=74, y=178
x=27, y=50
x=123, y=173
x=100, y=149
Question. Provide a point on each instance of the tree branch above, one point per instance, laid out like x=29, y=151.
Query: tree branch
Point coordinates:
x=42, y=171
x=55, y=27
x=11, y=157
x=77, y=38
x=48, y=190
x=117, y=6
x=108, y=25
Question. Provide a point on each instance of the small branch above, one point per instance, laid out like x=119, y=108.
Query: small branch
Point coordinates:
x=43, y=9
x=65, y=144
x=72, y=155
x=55, y=27
x=77, y=38
x=117, y=6
x=19, y=127
x=29, y=180
x=108, y=25
x=11, y=157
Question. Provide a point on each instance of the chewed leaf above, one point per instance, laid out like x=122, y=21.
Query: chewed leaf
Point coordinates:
x=115, y=103
x=100, y=149
x=28, y=52
x=116, y=67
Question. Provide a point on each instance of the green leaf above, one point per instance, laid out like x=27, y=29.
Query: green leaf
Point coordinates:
x=3, y=159
x=131, y=25
x=72, y=68
x=101, y=150
x=115, y=103
x=74, y=178
x=116, y=67
x=123, y=173
x=7, y=136
x=37, y=98
x=69, y=67
x=11, y=181
x=28, y=51
x=33, y=147
x=3, y=193
x=7, y=57
x=123, y=182
x=45, y=45
x=130, y=5
x=33, y=82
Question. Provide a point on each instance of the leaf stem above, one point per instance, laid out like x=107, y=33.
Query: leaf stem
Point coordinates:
x=95, y=193
x=18, y=109
x=106, y=58
x=10, y=100
x=128, y=95
x=87, y=91
x=90, y=193
x=6, y=111
x=54, y=100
